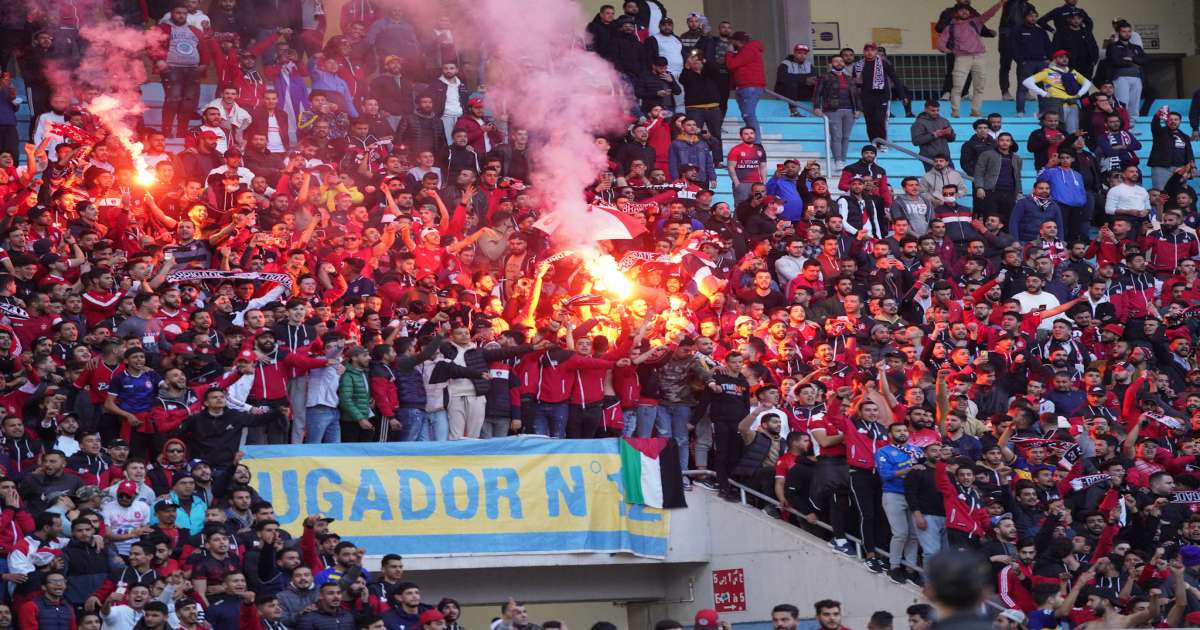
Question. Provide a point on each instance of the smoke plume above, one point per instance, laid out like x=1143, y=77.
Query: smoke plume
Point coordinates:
x=113, y=64
x=539, y=75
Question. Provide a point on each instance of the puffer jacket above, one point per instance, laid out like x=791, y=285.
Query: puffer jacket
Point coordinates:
x=354, y=395
x=676, y=377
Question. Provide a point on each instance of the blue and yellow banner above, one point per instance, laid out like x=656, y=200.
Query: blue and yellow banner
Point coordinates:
x=510, y=495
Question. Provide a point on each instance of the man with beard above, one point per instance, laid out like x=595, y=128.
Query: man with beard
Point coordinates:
x=215, y=432
x=273, y=366
x=1102, y=604
x=894, y=462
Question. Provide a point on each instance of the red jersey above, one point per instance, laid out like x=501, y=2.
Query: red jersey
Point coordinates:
x=746, y=161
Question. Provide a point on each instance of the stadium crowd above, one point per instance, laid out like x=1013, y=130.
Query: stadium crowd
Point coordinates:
x=348, y=249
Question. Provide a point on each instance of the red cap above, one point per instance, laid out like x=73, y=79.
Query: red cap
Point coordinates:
x=182, y=348
x=475, y=101
x=870, y=45
x=1061, y=53
x=246, y=355
x=209, y=135
x=707, y=618
x=1115, y=329
x=127, y=488
x=431, y=615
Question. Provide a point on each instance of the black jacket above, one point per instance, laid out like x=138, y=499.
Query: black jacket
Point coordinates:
x=602, y=36
x=476, y=360
x=920, y=490
x=628, y=55
x=1163, y=150
x=1081, y=45
x=630, y=151
x=396, y=97
x=971, y=150
x=423, y=133
x=439, y=88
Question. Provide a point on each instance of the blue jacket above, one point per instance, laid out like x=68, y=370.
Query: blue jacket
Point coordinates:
x=192, y=521
x=889, y=461
x=1031, y=43
x=1027, y=218
x=786, y=190
x=683, y=152
x=1066, y=186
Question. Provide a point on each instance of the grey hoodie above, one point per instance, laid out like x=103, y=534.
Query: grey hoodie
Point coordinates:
x=294, y=601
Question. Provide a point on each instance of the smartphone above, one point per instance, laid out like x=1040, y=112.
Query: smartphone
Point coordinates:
x=984, y=355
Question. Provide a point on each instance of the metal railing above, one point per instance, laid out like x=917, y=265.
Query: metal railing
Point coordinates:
x=745, y=491
x=828, y=168
x=905, y=150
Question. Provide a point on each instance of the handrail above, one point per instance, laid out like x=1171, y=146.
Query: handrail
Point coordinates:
x=745, y=490
x=904, y=150
x=811, y=112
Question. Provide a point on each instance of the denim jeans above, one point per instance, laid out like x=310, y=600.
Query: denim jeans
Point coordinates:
x=630, y=417
x=650, y=418
x=438, y=427
x=550, y=419
x=747, y=100
x=677, y=418
x=933, y=537
x=415, y=424
x=322, y=425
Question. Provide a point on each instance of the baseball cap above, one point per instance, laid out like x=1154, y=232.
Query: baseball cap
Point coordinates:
x=209, y=135
x=743, y=319
x=707, y=618
x=127, y=488
x=246, y=355
x=475, y=102
x=1098, y=391
x=165, y=505
x=1060, y=53
x=431, y=615
x=803, y=47
x=183, y=349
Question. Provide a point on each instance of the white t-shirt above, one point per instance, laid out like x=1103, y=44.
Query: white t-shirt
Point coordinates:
x=122, y=617
x=124, y=520
x=1030, y=303
x=274, y=137
x=1126, y=197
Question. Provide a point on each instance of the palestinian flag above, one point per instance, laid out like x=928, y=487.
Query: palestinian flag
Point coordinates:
x=650, y=472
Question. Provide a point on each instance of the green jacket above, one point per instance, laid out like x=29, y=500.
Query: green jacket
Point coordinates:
x=354, y=395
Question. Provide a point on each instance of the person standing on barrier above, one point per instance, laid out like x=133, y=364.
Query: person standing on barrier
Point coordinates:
x=1125, y=61
x=894, y=462
x=931, y=133
x=730, y=404
x=866, y=431
x=836, y=98
x=830, y=488
x=874, y=77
